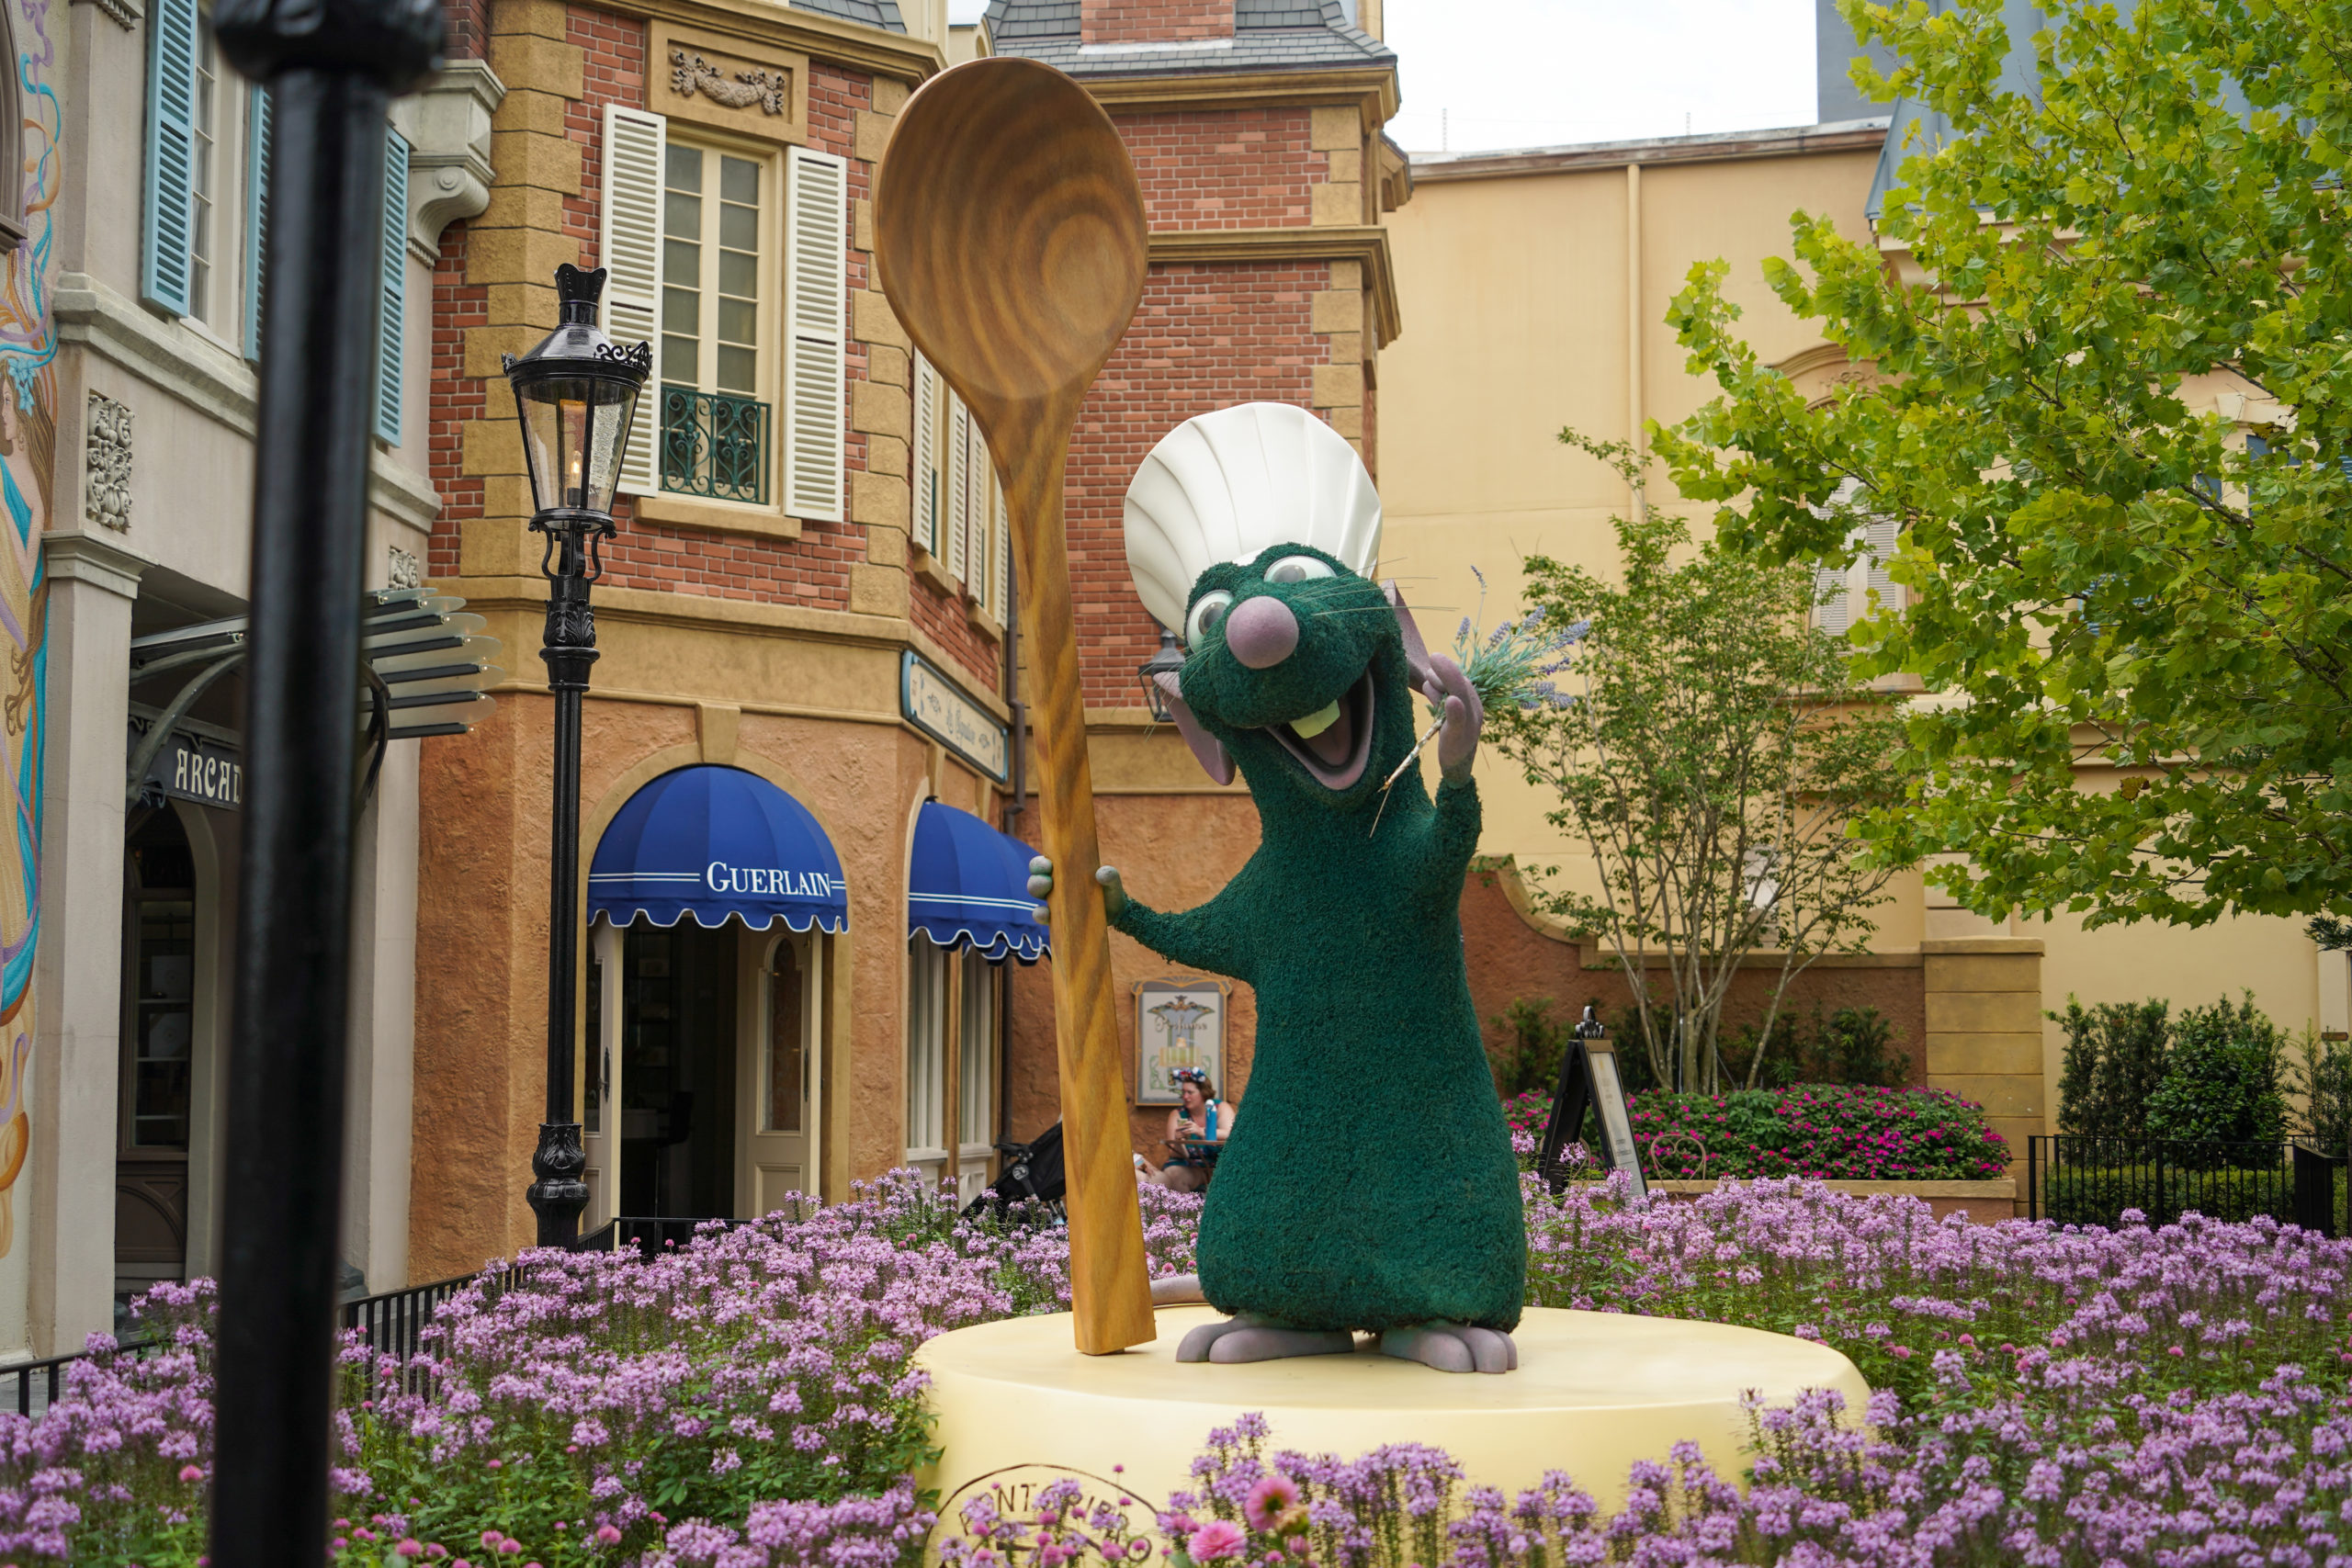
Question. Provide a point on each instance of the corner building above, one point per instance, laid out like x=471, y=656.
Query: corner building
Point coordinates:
x=801, y=637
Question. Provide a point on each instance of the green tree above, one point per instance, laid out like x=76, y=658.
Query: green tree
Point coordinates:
x=1712, y=752
x=2100, y=569
x=2222, y=1081
x=2114, y=1060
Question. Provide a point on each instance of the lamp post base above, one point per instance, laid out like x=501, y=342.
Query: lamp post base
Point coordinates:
x=559, y=1195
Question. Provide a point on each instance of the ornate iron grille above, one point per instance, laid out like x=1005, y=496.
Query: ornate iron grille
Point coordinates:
x=714, y=444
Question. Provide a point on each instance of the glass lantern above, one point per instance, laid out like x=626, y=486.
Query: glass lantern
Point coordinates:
x=576, y=395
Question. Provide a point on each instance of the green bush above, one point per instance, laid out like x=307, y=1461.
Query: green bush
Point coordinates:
x=1852, y=1046
x=2323, y=1080
x=2115, y=1059
x=1529, y=1059
x=2222, y=1081
x=2099, y=1195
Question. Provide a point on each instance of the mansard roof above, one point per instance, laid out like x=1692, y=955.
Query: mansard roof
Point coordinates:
x=1268, y=35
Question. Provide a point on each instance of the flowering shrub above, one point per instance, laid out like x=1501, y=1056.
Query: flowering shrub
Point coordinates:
x=1837, y=1132
x=2141, y=1396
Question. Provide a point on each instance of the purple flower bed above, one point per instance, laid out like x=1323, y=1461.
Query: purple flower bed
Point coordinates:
x=2174, y=1396
x=1819, y=1130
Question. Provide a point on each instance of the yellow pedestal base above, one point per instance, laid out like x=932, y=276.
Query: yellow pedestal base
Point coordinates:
x=1594, y=1392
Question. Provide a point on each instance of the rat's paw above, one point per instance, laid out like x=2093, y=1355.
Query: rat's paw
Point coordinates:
x=1457, y=738
x=1244, y=1338
x=1452, y=1347
x=1040, y=887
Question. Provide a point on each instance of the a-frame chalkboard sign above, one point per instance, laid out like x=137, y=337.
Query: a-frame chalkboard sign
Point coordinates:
x=1589, y=1080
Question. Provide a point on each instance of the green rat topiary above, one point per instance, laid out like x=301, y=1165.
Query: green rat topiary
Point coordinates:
x=1371, y=1186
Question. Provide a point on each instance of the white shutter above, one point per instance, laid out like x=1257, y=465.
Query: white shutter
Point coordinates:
x=925, y=458
x=1879, y=538
x=817, y=213
x=1833, y=599
x=629, y=249
x=1001, y=585
x=959, y=486
x=979, y=549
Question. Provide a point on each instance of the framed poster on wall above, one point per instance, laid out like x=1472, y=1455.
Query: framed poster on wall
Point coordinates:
x=1178, y=1024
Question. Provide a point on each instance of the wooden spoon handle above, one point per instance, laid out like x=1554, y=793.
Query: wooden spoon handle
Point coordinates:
x=1109, y=1285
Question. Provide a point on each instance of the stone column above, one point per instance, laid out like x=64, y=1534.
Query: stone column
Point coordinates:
x=1983, y=1029
x=379, y=1104
x=77, y=967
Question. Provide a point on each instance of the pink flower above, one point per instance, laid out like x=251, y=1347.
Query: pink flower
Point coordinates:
x=1217, y=1539
x=607, y=1536
x=491, y=1537
x=411, y=1547
x=191, y=1472
x=1268, y=1499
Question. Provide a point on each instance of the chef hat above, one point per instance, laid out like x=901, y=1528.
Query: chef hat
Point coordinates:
x=1224, y=486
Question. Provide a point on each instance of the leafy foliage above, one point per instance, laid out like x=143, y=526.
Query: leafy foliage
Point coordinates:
x=1868, y=1134
x=2114, y=1060
x=2152, y=249
x=1851, y=1046
x=2321, y=1077
x=2222, y=1081
x=1529, y=1059
x=1713, y=753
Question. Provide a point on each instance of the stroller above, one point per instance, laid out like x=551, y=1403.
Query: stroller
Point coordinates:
x=1033, y=1174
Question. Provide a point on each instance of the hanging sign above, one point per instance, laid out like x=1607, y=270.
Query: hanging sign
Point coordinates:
x=937, y=706
x=192, y=767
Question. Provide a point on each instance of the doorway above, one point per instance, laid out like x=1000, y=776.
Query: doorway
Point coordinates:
x=677, y=1088
x=703, y=1069
x=154, y=1112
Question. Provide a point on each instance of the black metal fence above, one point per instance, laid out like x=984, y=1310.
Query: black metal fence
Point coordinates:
x=714, y=444
x=2092, y=1180
x=391, y=1323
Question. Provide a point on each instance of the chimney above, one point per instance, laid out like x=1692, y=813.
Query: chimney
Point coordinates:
x=1153, y=21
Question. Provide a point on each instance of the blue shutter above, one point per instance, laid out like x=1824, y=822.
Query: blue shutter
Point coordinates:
x=387, y=324
x=169, y=219
x=257, y=218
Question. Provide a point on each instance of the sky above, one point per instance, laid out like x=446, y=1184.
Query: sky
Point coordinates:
x=1487, y=73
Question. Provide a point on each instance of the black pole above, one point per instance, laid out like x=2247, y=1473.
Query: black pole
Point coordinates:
x=332, y=67
x=568, y=646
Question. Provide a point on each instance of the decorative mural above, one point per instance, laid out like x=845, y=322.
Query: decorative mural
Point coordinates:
x=28, y=449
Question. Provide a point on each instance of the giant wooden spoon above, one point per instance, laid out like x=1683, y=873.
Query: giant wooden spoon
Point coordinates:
x=1010, y=231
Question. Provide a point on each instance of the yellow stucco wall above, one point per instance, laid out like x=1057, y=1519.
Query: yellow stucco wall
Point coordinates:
x=1519, y=292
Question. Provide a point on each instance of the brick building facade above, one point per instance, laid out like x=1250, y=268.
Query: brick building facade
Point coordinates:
x=811, y=532
x=1256, y=131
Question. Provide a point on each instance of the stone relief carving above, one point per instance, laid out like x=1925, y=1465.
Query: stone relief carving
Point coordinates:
x=769, y=89
x=408, y=570
x=124, y=13
x=107, y=467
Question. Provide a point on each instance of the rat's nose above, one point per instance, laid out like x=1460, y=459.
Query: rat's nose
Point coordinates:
x=1260, y=632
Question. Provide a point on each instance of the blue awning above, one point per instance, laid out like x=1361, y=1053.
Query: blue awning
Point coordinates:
x=971, y=883
x=714, y=842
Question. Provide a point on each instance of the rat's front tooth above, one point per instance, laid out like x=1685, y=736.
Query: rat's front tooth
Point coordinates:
x=1318, y=721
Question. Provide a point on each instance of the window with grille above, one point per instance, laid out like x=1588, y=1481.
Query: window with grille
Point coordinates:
x=717, y=217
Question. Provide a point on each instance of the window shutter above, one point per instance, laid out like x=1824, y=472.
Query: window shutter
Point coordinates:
x=257, y=217
x=169, y=219
x=1001, y=585
x=1878, y=540
x=959, y=487
x=629, y=248
x=389, y=320
x=1832, y=595
x=817, y=213
x=979, y=549
x=926, y=455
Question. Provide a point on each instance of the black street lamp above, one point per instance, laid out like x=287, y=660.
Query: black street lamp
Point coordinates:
x=1167, y=660
x=576, y=395
x=333, y=68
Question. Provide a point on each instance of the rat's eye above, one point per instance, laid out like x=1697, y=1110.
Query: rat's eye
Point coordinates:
x=1206, y=616
x=1297, y=569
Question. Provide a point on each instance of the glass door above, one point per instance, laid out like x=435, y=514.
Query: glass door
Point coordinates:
x=776, y=1124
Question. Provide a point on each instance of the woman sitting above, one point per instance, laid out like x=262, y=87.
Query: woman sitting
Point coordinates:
x=1195, y=1129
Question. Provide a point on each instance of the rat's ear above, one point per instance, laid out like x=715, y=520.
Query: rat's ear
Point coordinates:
x=1215, y=760
x=1416, y=654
